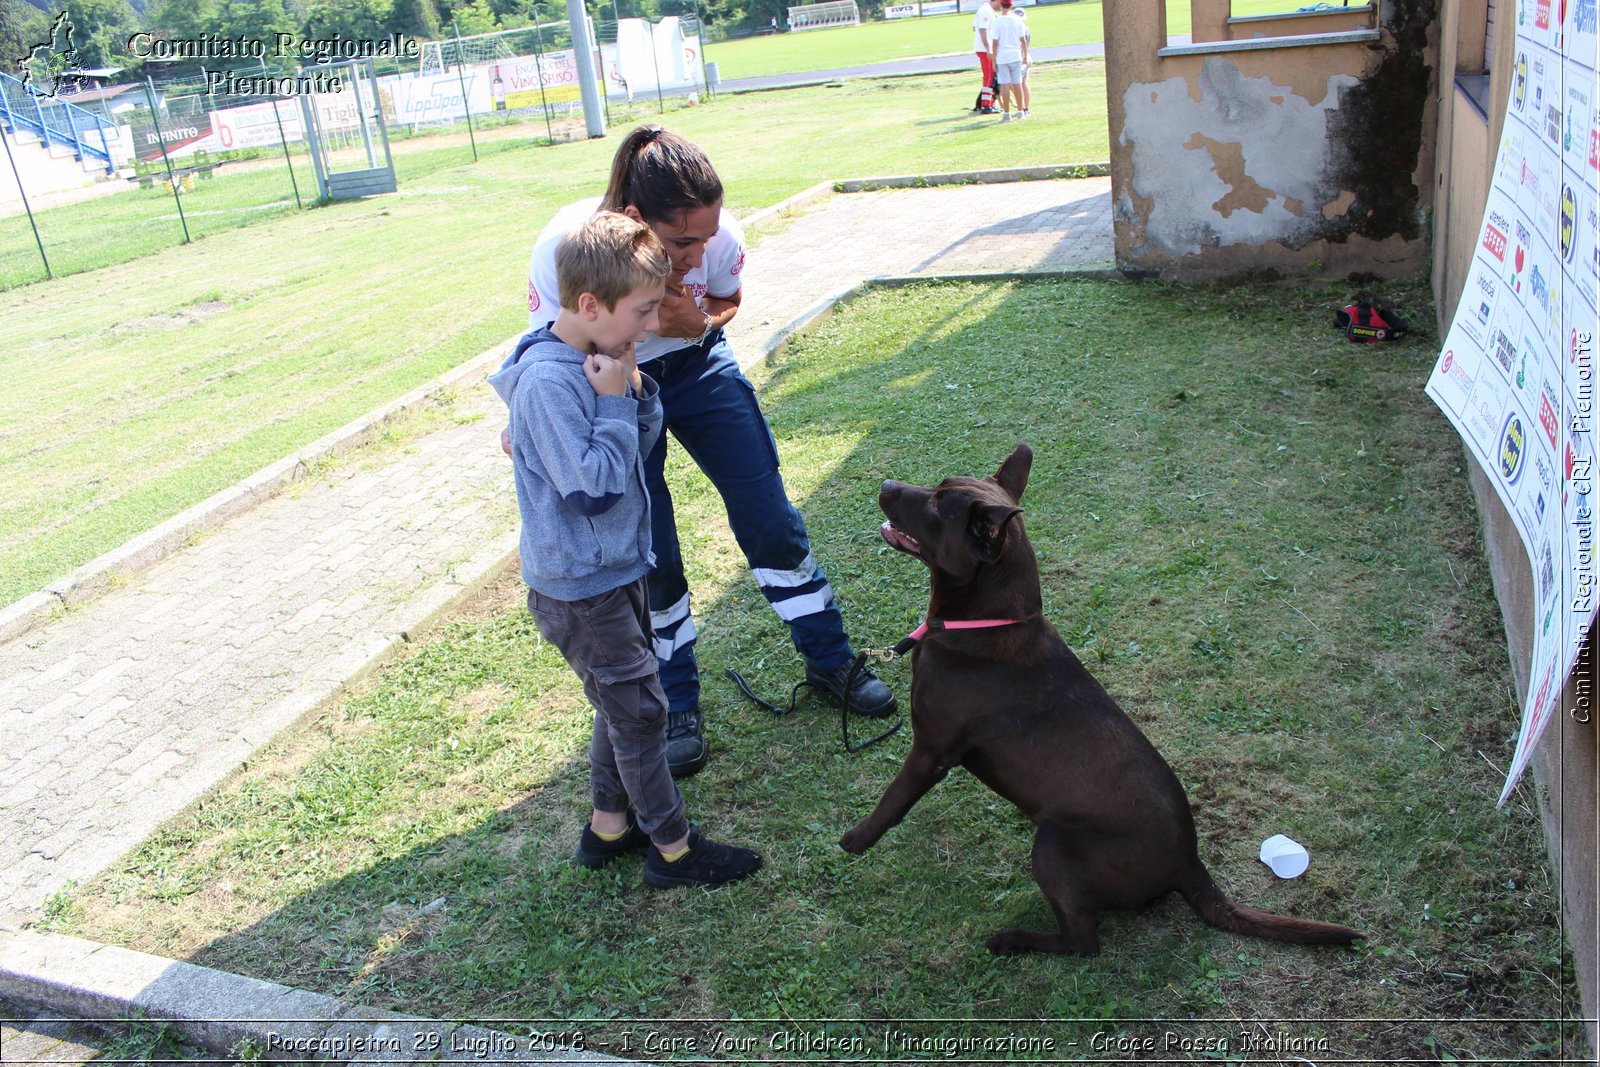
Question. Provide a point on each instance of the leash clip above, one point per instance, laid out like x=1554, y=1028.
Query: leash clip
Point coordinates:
x=882, y=655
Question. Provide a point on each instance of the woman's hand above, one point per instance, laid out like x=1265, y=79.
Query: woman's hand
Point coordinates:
x=680, y=315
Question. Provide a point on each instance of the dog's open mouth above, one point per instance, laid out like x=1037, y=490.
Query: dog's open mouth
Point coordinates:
x=898, y=538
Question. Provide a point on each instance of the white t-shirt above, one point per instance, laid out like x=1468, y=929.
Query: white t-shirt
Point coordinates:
x=717, y=275
x=1007, y=33
x=983, y=20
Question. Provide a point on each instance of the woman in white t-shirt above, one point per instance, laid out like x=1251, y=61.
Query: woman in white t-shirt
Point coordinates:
x=667, y=183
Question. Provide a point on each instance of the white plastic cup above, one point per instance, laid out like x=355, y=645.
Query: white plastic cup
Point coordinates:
x=1286, y=857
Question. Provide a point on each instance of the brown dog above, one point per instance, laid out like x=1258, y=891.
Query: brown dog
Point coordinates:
x=1005, y=698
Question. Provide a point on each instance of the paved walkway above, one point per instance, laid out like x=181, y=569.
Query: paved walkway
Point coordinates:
x=122, y=711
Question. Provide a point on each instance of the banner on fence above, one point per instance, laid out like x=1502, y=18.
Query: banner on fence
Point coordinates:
x=255, y=126
x=532, y=81
x=416, y=99
x=180, y=136
x=1516, y=371
x=647, y=57
x=940, y=7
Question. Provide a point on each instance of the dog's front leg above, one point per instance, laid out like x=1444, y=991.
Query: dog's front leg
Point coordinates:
x=923, y=770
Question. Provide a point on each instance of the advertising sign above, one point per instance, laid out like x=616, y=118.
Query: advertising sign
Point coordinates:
x=1516, y=372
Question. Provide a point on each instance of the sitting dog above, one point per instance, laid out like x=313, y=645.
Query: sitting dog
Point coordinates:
x=996, y=690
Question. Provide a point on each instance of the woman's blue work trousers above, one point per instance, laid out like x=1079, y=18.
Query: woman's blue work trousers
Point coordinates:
x=711, y=410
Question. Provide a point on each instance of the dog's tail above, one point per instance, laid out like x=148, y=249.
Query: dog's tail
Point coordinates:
x=1209, y=903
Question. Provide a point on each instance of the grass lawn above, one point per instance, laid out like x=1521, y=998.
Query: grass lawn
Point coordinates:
x=1256, y=534
x=884, y=42
x=1078, y=22
x=138, y=390
x=136, y=221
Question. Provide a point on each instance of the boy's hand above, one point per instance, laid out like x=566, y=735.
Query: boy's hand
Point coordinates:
x=628, y=357
x=608, y=375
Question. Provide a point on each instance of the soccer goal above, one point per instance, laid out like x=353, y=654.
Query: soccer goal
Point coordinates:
x=439, y=57
x=821, y=16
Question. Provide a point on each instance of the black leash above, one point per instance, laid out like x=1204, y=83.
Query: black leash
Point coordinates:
x=884, y=655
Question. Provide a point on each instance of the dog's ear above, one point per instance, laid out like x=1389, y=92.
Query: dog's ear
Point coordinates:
x=1013, y=473
x=986, y=530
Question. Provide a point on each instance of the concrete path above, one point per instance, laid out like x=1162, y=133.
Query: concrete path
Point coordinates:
x=120, y=711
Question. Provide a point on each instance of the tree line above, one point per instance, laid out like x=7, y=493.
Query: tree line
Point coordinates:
x=101, y=29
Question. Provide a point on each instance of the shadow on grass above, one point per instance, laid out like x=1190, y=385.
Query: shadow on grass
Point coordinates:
x=1253, y=533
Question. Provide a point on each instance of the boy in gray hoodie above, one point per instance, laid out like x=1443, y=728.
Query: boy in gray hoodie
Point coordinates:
x=583, y=417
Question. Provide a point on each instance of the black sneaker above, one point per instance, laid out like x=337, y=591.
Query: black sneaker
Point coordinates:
x=869, y=696
x=686, y=744
x=595, y=853
x=708, y=863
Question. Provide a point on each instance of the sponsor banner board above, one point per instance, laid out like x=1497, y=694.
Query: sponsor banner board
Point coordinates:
x=1516, y=372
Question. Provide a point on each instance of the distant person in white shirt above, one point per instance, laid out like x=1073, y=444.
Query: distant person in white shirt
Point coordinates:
x=1008, y=36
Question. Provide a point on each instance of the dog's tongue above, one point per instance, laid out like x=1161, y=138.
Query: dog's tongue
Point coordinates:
x=899, y=539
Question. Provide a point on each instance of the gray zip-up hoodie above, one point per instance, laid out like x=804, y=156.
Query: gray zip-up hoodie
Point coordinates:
x=579, y=464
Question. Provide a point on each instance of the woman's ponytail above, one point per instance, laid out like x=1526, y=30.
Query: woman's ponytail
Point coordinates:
x=661, y=175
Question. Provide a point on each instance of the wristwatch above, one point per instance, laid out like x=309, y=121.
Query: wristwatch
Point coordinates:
x=705, y=332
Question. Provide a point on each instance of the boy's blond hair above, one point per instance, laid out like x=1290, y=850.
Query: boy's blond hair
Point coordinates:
x=610, y=256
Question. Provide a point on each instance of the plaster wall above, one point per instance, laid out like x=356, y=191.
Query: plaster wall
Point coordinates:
x=1271, y=159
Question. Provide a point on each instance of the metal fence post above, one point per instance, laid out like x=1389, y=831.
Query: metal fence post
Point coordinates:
x=272, y=102
x=6, y=137
x=100, y=125
x=538, y=66
x=72, y=127
x=466, y=105
x=655, y=59
x=161, y=139
x=38, y=114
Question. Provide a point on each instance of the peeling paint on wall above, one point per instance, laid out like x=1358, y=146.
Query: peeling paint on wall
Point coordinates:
x=1245, y=163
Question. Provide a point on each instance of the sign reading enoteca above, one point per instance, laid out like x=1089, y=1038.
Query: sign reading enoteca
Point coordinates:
x=1516, y=373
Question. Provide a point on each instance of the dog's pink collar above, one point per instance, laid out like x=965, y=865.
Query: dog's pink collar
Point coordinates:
x=933, y=625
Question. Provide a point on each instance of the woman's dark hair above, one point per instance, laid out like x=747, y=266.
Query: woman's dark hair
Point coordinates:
x=661, y=175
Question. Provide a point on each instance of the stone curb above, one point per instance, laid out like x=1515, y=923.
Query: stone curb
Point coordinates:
x=1055, y=172
x=226, y=1013
x=783, y=207
x=847, y=293
x=156, y=544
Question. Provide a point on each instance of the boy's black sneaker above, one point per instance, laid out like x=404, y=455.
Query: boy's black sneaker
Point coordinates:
x=594, y=853
x=708, y=863
x=868, y=696
x=686, y=743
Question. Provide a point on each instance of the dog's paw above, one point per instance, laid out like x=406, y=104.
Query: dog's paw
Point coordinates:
x=1010, y=943
x=1017, y=942
x=855, y=841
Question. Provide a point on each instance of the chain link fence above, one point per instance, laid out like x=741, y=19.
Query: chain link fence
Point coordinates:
x=170, y=160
